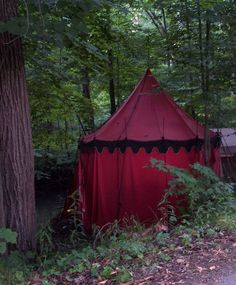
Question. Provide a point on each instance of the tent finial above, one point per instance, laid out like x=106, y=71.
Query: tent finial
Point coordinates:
x=148, y=71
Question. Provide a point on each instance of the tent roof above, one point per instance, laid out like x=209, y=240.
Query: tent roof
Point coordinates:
x=149, y=114
x=228, y=140
x=228, y=136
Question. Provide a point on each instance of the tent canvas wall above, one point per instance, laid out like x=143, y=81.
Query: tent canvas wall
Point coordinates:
x=113, y=181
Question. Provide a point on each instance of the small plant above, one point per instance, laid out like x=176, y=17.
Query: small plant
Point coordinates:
x=186, y=239
x=162, y=238
x=94, y=269
x=106, y=272
x=14, y=268
x=164, y=257
x=45, y=241
x=123, y=276
x=6, y=236
x=73, y=225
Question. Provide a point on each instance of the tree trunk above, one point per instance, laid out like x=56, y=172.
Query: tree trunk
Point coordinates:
x=207, y=86
x=118, y=81
x=163, y=30
x=86, y=94
x=17, y=199
x=203, y=85
x=167, y=38
x=66, y=137
x=111, y=82
x=190, y=56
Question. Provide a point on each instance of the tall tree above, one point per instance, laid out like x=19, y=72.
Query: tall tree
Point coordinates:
x=111, y=82
x=87, y=95
x=17, y=200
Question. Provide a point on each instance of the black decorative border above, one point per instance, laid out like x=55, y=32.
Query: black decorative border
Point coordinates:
x=162, y=145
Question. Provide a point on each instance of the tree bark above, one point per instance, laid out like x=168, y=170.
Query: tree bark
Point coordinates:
x=167, y=38
x=17, y=198
x=118, y=82
x=163, y=30
x=203, y=85
x=111, y=83
x=207, y=86
x=190, y=55
x=86, y=94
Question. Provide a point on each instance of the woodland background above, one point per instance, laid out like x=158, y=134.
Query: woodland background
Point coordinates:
x=83, y=58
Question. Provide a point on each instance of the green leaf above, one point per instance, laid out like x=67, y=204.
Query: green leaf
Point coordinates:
x=106, y=273
x=127, y=257
x=123, y=277
x=8, y=235
x=15, y=26
x=3, y=247
x=3, y=27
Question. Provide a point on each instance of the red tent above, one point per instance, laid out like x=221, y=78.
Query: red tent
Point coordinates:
x=112, y=178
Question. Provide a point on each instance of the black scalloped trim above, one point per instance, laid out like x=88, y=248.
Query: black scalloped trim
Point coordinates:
x=162, y=145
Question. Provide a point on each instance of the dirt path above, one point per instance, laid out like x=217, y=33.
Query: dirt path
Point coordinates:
x=210, y=262
x=229, y=280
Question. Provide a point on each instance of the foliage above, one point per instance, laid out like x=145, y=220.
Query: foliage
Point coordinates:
x=45, y=240
x=119, y=249
x=202, y=198
x=6, y=236
x=16, y=267
x=161, y=35
x=114, y=256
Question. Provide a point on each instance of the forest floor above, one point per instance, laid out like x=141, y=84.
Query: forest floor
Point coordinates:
x=210, y=260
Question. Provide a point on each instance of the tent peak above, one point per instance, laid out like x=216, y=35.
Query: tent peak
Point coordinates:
x=148, y=72
x=149, y=83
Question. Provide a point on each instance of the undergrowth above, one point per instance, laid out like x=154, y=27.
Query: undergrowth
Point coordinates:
x=201, y=199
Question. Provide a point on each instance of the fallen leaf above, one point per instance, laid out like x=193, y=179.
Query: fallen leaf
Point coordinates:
x=113, y=273
x=102, y=282
x=144, y=280
x=79, y=280
x=200, y=269
x=160, y=227
x=212, y=267
x=180, y=260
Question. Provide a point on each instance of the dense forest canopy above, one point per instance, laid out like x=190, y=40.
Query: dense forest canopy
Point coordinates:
x=83, y=58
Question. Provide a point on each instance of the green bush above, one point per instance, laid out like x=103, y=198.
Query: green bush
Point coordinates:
x=15, y=267
x=6, y=236
x=206, y=199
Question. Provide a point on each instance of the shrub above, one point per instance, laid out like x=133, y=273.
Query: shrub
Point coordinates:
x=6, y=236
x=206, y=198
